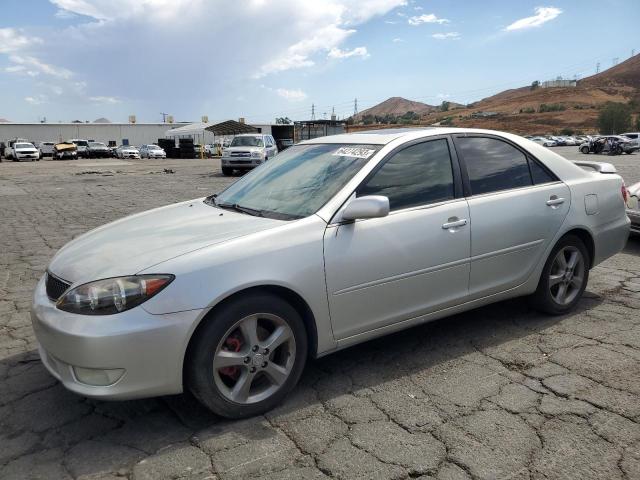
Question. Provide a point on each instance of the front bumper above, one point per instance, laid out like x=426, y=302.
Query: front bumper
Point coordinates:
x=27, y=156
x=149, y=348
x=131, y=155
x=241, y=162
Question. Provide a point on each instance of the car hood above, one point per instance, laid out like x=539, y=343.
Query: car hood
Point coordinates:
x=25, y=149
x=135, y=243
x=243, y=149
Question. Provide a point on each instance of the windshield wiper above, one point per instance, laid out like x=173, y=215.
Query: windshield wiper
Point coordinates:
x=239, y=208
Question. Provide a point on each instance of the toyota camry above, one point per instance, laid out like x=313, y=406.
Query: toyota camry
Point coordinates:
x=333, y=242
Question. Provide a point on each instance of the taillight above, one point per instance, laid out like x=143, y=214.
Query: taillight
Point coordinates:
x=625, y=193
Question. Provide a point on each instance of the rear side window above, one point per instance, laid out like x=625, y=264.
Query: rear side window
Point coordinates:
x=418, y=175
x=539, y=174
x=493, y=165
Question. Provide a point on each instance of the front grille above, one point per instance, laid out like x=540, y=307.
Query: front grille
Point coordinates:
x=55, y=287
x=240, y=154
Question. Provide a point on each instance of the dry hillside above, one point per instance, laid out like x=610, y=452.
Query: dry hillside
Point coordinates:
x=518, y=110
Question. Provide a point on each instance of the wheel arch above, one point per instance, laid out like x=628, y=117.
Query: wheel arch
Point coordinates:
x=293, y=298
x=586, y=237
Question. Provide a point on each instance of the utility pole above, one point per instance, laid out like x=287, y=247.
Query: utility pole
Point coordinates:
x=598, y=67
x=313, y=111
x=355, y=107
x=164, y=117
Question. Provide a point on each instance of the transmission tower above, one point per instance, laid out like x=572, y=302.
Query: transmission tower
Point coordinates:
x=614, y=62
x=598, y=67
x=633, y=52
x=355, y=107
x=313, y=111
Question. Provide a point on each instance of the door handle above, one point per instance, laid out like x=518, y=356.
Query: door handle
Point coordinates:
x=454, y=224
x=554, y=201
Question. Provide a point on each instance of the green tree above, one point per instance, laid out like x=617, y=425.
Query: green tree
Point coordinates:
x=638, y=123
x=535, y=84
x=445, y=106
x=614, y=118
x=283, y=121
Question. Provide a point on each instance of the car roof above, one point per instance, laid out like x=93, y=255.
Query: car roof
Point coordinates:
x=384, y=136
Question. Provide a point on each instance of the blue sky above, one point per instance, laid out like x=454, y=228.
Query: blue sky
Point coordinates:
x=84, y=59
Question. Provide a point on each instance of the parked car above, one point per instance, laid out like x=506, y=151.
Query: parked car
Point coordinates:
x=127, y=151
x=605, y=143
x=46, y=149
x=634, y=137
x=65, y=151
x=335, y=241
x=24, y=151
x=82, y=145
x=211, y=150
x=633, y=207
x=152, y=151
x=98, y=150
x=560, y=141
x=545, y=142
x=247, y=151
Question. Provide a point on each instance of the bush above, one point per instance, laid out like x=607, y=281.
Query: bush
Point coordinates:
x=445, y=106
x=528, y=110
x=551, y=107
x=614, y=118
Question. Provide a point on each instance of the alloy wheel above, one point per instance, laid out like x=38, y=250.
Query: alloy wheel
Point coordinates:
x=254, y=358
x=567, y=275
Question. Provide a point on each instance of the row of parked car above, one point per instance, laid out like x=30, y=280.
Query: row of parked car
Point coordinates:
x=614, y=144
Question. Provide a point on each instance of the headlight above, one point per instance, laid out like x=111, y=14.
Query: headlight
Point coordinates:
x=256, y=154
x=112, y=295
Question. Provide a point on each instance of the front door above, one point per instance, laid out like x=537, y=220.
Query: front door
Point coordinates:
x=415, y=260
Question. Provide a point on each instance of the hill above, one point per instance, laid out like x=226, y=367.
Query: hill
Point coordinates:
x=536, y=110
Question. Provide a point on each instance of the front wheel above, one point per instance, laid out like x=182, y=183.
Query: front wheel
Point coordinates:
x=248, y=356
x=564, y=277
x=584, y=150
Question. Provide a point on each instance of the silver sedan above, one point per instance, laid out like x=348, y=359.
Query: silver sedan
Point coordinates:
x=333, y=242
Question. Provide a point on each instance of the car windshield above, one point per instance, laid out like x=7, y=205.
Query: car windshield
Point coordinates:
x=247, y=142
x=97, y=144
x=24, y=145
x=297, y=182
x=82, y=143
x=153, y=147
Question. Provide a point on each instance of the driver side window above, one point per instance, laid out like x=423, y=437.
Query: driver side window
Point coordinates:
x=418, y=175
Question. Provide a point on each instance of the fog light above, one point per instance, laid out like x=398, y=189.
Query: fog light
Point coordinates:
x=98, y=377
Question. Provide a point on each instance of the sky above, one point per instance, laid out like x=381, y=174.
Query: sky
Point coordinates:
x=63, y=60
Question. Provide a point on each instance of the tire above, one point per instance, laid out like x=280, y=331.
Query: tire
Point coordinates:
x=585, y=150
x=217, y=388
x=554, y=276
x=226, y=171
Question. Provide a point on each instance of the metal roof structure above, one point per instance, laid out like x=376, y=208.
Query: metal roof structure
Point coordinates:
x=231, y=127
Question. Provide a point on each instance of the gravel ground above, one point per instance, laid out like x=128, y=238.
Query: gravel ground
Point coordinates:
x=501, y=392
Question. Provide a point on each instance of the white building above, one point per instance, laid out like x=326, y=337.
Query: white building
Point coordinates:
x=558, y=83
x=109, y=133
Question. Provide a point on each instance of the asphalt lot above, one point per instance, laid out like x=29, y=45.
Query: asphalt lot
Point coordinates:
x=502, y=392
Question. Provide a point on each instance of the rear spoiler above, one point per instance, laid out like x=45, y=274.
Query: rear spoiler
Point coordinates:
x=600, y=167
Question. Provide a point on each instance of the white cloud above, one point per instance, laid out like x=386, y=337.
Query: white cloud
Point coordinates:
x=426, y=18
x=446, y=36
x=292, y=95
x=543, y=15
x=398, y=40
x=36, y=100
x=33, y=67
x=105, y=100
x=12, y=40
x=356, y=52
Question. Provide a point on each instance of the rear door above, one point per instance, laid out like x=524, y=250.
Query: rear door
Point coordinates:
x=516, y=207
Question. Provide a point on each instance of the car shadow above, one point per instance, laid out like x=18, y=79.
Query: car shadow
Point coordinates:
x=39, y=415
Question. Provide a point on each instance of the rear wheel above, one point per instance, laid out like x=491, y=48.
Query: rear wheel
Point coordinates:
x=564, y=277
x=248, y=356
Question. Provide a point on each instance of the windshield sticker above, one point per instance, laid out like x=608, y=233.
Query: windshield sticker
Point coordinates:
x=356, y=152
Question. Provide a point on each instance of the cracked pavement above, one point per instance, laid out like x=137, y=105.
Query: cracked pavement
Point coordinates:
x=501, y=392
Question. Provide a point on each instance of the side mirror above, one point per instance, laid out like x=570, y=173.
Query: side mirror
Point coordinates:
x=371, y=206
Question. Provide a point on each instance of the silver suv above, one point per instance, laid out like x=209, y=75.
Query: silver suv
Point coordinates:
x=247, y=151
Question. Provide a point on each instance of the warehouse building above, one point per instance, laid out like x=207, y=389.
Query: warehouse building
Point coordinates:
x=109, y=133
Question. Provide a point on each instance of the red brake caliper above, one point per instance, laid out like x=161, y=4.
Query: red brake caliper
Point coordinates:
x=233, y=344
